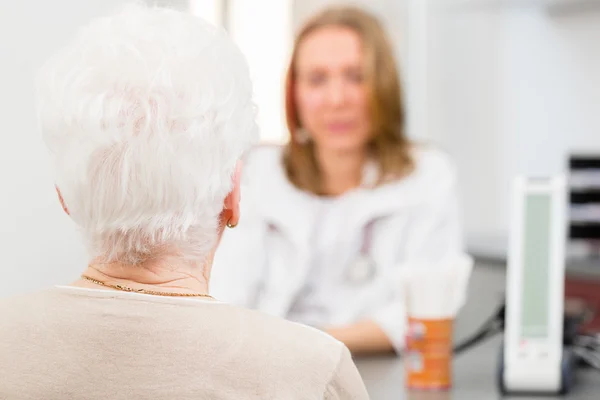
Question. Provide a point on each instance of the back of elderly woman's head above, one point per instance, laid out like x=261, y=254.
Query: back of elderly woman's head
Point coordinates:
x=146, y=114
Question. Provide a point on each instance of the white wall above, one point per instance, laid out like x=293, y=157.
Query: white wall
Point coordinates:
x=518, y=89
x=263, y=30
x=552, y=66
x=38, y=242
x=466, y=91
x=209, y=10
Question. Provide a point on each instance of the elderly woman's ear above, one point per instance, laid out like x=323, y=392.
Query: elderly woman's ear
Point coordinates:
x=231, y=206
x=62, y=201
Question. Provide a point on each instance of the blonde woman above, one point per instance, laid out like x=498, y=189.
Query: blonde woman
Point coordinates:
x=333, y=215
x=146, y=114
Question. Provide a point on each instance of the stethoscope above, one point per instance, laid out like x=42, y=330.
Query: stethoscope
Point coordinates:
x=363, y=268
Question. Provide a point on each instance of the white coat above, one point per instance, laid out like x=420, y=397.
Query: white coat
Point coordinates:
x=270, y=259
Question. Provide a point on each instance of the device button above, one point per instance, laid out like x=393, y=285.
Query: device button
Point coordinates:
x=522, y=354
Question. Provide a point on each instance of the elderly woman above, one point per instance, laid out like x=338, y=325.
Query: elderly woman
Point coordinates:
x=146, y=115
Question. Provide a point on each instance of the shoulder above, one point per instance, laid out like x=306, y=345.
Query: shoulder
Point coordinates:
x=20, y=313
x=346, y=382
x=433, y=178
x=297, y=356
x=300, y=339
x=34, y=300
x=313, y=351
x=433, y=165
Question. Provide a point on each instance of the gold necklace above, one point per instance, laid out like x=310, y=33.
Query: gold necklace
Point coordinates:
x=144, y=291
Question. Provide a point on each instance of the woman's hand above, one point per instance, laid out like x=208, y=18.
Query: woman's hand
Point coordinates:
x=364, y=337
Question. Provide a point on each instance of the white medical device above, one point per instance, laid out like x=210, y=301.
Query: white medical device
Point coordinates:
x=534, y=359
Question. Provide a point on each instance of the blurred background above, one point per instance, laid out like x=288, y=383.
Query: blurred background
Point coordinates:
x=506, y=87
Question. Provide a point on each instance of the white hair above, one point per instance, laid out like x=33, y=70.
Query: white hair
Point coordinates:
x=146, y=114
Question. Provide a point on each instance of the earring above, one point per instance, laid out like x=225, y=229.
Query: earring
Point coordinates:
x=230, y=225
x=301, y=136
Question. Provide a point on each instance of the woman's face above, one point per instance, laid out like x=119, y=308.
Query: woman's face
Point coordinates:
x=330, y=91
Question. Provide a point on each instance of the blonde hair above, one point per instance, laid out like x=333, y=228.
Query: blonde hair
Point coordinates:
x=389, y=146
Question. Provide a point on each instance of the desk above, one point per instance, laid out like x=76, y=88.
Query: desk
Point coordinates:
x=474, y=370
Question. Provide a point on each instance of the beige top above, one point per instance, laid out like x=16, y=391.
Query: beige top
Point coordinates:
x=72, y=343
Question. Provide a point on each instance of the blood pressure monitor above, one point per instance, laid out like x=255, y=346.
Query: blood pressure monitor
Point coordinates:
x=534, y=359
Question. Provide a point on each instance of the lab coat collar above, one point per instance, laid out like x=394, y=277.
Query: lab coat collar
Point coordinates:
x=294, y=211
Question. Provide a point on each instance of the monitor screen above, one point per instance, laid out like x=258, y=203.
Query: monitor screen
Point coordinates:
x=536, y=265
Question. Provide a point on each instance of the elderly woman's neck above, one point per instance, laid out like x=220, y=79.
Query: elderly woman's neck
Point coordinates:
x=166, y=274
